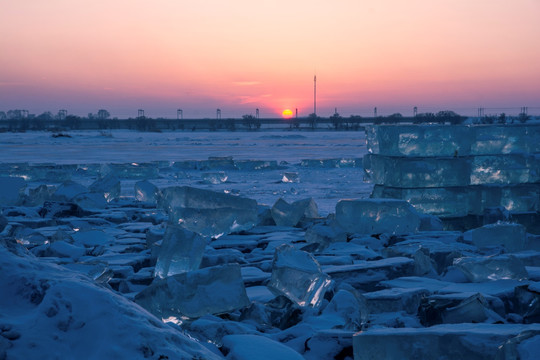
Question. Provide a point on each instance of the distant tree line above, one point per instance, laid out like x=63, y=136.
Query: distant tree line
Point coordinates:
x=22, y=120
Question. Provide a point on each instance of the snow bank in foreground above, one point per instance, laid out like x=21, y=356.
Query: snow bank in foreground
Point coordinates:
x=49, y=312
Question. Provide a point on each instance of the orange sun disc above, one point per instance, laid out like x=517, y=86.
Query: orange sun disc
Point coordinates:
x=287, y=113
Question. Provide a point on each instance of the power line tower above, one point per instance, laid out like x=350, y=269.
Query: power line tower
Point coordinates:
x=480, y=113
x=257, y=113
x=62, y=114
x=179, y=114
x=375, y=112
x=140, y=114
x=415, y=111
x=218, y=114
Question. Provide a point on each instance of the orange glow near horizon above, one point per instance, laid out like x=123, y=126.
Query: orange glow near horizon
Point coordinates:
x=287, y=113
x=199, y=56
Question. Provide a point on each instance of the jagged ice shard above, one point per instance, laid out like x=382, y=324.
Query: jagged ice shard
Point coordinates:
x=212, y=290
x=147, y=192
x=109, y=186
x=208, y=213
x=181, y=251
x=298, y=276
x=214, y=178
x=285, y=214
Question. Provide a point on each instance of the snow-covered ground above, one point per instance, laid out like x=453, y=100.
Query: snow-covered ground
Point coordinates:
x=87, y=278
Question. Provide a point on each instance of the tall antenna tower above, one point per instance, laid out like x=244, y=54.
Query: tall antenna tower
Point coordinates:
x=315, y=95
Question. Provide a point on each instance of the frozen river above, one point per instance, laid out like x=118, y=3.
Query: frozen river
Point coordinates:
x=288, y=148
x=294, y=286
x=131, y=146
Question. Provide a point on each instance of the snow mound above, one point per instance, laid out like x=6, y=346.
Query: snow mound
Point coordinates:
x=53, y=313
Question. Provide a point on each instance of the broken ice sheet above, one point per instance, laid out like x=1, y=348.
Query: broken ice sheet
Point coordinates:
x=290, y=177
x=90, y=238
x=347, y=310
x=145, y=191
x=298, y=276
x=98, y=271
x=11, y=190
x=447, y=341
x=489, y=268
x=395, y=299
x=376, y=216
x=417, y=172
x=39, y=195
x=285, y=214
x=214, y=178
x=181, y=250
x=207, y=212
x=213, y=290
x=217, y=162
x=109, y=186
x=322, y=235
x=130, y=170
x=213, y=222
x=248, y=347
x=415, y=140
x=29, y=237
x=528, y=302
x=522, y=346
x=512, y=236
x=68, y=190
x=474, y=309
x=250, y=165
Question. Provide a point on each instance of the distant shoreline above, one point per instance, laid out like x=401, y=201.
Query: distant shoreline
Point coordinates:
x=144, y=124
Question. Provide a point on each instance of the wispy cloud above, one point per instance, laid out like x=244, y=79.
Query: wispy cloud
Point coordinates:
x=247, y=99
x=11, y=83
x=246, y=83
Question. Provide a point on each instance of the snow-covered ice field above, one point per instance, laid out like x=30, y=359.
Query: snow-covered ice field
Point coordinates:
x=204, y=261
x=287, y=148
x=132, y=146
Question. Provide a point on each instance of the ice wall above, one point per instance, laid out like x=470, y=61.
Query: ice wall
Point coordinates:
x=456, y=170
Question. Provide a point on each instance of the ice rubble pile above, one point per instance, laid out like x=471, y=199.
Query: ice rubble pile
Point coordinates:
x=453, y=171
x=44, y=172
x=221, y=276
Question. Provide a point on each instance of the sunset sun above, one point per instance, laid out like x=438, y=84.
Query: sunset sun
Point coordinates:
x=287, y=113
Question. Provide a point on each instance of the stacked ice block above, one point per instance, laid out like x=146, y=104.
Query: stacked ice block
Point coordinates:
x=457, y=170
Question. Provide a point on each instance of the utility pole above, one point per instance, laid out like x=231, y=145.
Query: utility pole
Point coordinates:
x=315, y=95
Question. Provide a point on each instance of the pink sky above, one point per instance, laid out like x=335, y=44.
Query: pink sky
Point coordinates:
x=239, y=55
